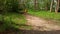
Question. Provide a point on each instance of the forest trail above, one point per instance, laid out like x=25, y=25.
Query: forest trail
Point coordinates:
x=41, y=24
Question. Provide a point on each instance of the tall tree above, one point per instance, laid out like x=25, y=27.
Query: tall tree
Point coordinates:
x=47, y=2
x=35, y=4
x=51, y=7
x=57, y=6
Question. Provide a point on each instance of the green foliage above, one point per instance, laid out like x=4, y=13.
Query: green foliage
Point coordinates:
x=11, y=20
x=9, y=16
x=41, y=4
x=9, y=5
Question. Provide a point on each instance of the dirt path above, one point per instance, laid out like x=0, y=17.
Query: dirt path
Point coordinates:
x=41, y=24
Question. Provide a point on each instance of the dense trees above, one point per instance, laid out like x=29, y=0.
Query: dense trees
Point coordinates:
x=17, y=7
x=8, y=6
x=52, y=5
x=14, y=5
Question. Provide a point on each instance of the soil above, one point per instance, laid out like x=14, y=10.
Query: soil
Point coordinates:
x=41, y=24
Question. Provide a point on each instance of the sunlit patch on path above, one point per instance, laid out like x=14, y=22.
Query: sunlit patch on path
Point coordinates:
x=41, y=24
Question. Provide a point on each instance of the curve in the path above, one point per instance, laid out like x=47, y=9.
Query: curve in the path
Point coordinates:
x=40, y=24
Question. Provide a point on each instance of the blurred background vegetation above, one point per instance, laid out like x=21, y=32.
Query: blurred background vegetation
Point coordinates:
x=11, y=11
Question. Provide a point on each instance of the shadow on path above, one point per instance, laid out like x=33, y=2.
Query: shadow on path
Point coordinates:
x=30, y=32
x=39, y=32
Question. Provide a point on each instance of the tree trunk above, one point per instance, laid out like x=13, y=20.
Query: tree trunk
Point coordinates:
x=57, y=6
x=51, y=7
x=46, y=8
x=35, y=5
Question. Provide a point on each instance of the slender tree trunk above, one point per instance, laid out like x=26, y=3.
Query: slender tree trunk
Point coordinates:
x=51, y=7
x=57, y=6
x=46, y=6
x=35, y=4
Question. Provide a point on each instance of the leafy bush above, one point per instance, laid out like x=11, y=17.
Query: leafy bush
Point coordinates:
x=11, y=20
x=8, y=14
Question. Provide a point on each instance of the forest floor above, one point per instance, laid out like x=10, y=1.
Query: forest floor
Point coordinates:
x=41, y=24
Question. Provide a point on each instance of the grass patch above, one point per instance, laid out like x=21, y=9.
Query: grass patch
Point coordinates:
x=46, y=15
x=12, y=20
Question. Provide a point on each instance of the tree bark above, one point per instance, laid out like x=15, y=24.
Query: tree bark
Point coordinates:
x=35, y=5
x=51, y=7
x=57, y=6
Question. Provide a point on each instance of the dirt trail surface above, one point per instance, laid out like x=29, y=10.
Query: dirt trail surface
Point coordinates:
x=41, y=24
